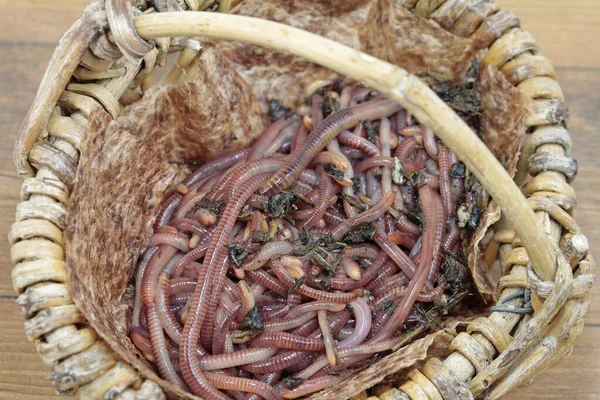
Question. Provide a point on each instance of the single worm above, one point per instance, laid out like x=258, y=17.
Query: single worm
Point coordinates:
x=432, y=237
x=384, y=139
x=236, y=358
x=243, y=385
x=268, y=252
x=285, y=340
x=322, y=135
x=364, y=217
x=362, y=315
x=330, y=349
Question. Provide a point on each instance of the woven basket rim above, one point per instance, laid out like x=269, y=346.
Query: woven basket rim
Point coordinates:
x=87, y=52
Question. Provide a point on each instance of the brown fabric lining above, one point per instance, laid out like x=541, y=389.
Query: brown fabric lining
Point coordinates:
x=129, y=164
x=504, y=110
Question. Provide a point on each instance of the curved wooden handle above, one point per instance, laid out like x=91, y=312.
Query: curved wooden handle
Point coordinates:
x=394, y=82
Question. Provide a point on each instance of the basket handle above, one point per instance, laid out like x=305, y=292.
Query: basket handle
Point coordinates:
x=396, y=83
x=65, y=59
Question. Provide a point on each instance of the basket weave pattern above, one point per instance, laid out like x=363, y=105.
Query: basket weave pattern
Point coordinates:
x=487, y=361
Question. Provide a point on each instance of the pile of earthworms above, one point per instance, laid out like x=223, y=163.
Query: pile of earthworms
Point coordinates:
x=278, y=270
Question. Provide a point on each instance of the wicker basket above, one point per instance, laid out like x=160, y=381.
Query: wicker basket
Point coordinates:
x=546, y=253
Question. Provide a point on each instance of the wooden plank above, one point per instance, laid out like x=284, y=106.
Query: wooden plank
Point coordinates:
x=566, y=30
x=45, y=20
x=22, y=374
x=19, y=78
x=573, y=378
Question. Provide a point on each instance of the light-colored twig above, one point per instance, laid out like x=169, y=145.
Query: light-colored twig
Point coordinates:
x=392, y=81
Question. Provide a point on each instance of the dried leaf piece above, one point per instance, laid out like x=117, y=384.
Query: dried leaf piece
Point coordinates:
x=436, y=343
x=480, y=272
x=504, y=110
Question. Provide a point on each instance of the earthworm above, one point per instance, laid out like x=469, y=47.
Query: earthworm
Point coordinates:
x=396, y=254
x=288, y=358
x=317, y=110
x=367, y=275
x=167, y=210
x=384, y=139
x=299, y=137
x=352, y=154
x=445, y=184
x=270, y=250
x=311, y=386
x=330, y=350
x=395, y=280
x=322, y=135
x=373, y=186
x=402, y=239
x=287, y=340
x=217, y=165
x=243, y=385
x=276, y=313
x=141, y=269
x=289, y=323
x=388, y=269
x=429, y=142
x=452, y=236
x=268, y=136
x=202, y=305
x=375, y=161
x=365, y=217
x=405, y=149
x=174, y=239
x=246, y=296
x=432, y=167
x=189, y=225
x=339, y=297
x=400, y=120
x=327, y=157
x=364, y=250
x=326, y=190
x=159, y=348
x=362, y=349
x=362, y=315
x=315, y=306
x=352, y=269
x=220, y=332
x=237, y=358
x=165, y=315
x=195, y=254
x=347, y=190
x=429, y=180
x=405, y=225
x=432, y=237
x=400, y=291
x=409, y=130
x=267, y=281
x=150, y=278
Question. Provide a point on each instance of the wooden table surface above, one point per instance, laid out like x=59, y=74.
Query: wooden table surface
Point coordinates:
x=569, y=34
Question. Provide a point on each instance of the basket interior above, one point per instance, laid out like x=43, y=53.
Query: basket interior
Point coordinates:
x=128, y=166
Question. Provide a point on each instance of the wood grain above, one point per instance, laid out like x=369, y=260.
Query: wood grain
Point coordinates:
x=567, y=33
